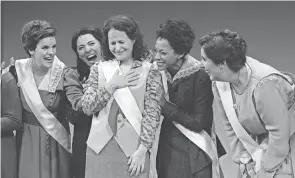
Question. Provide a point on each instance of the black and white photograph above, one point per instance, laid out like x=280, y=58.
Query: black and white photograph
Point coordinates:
x=147, y=89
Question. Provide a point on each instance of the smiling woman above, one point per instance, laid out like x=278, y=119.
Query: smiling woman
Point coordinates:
x=119, y=90
x=45, y=85
x=187, y=109
x=86, y=43
x=260, y=128
x=88, y=48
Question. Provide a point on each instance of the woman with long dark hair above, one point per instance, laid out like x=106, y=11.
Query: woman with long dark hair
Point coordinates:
x=86, y=43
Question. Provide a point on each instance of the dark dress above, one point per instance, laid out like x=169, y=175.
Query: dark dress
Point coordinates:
x=82, y=125
x=190, y=105
x=10, y=121
x=40, y=155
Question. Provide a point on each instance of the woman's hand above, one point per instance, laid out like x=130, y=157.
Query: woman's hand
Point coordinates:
x=137, y=160
x=257, y=157
x=122, y=80
x=6, y=69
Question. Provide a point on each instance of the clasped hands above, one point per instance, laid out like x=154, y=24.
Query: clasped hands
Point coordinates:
x=252, y=167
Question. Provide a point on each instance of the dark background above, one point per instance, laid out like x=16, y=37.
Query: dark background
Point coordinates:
x=268, y=28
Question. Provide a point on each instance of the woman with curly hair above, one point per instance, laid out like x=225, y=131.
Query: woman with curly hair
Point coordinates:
x=126, y=113
x=186, y=130
x=255, y=103
x=45, y=86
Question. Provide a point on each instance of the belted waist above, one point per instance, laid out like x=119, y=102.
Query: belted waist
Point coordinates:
x=29, y=118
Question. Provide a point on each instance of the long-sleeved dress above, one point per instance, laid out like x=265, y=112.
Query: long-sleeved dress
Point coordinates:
x=10, y=121
x=82, y=125
x=262, y=110
x=190, y=104
x=40, y=155
x=111, y=160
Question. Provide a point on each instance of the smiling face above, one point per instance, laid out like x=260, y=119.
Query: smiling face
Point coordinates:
x=215, y=71
x=88, y=49
x=120, y=45
x=165, y=55
x=44, y=52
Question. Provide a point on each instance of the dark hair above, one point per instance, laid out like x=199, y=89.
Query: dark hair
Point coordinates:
x=35, y=30
x=82, y=67
x=225, y=46
x=130, y=27
x=179, y=34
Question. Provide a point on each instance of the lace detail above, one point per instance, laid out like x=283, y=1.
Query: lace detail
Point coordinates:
x=55, y=77
x=189, y=67
x=57, y=71
x=186, y=72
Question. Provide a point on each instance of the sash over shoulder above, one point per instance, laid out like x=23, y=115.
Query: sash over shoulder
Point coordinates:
x=203, y=140
x=225, y=93
x=31, y=94
x=100, y=129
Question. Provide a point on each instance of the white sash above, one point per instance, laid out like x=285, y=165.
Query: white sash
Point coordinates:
x=31, y=94
x=226, y=98
x=202, y=139
x=100, y=129
x=124, y=97
x=252, y=147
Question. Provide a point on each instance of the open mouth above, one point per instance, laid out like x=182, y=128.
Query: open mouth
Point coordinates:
x=91, y=58
x=160, y=63
x=48, y=59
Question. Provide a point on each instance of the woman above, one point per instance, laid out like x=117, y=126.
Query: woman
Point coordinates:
x=45, y=85
x=10, y=121
x=255, y=103
x=118, y=92
x=86, y=43
x=189, y=109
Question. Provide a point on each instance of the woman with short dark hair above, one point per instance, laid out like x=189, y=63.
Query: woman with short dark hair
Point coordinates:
x=255, y=103
x=45, y=85
x=187, y=107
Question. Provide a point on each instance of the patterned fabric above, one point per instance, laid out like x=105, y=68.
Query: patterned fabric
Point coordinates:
x=96, y=97
x=152, y=109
